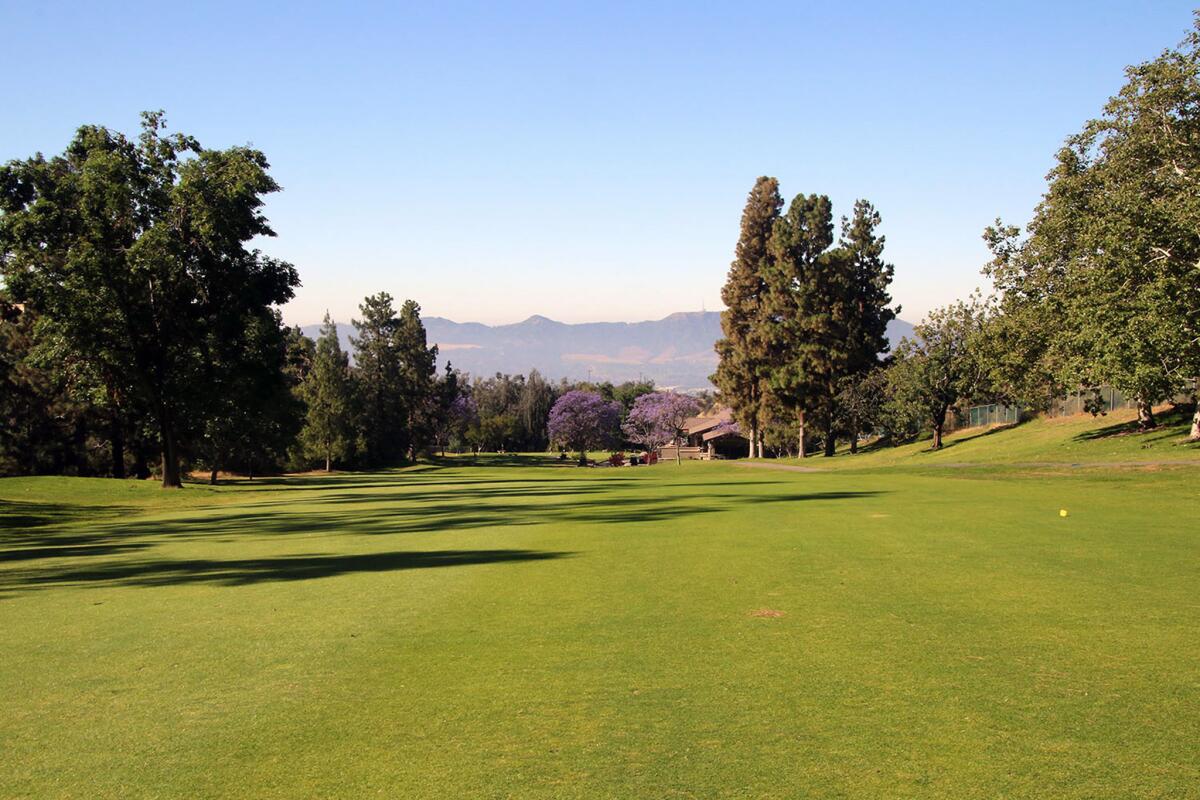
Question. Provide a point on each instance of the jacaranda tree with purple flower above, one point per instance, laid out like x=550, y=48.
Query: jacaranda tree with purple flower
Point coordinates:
x=579, y=420
x=658, y=418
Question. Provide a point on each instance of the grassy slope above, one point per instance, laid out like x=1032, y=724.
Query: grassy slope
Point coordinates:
x=1079, y=440
x=536, y=631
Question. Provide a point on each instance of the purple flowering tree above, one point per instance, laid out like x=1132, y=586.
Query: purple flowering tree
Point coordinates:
x=580, y=420
x=658, y=418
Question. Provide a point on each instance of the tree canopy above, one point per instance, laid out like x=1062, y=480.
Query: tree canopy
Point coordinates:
x=137, y=253
x=582, y=419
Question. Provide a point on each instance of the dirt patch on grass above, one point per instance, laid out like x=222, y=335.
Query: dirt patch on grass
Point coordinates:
x=770, y=465
x=768, y=613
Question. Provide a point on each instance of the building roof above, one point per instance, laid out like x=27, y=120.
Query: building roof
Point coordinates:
x=707, y=422
x=717, y=434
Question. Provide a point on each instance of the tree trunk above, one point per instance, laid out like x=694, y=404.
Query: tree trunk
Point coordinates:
x=753, y=439
x=117, y=434
x=212, y=476
x=802, y=454
x=939, y=425
x=760, y=446
x=678, y=452
x=1195, y=435
x=583, y=458
x=141, y=467
x=853, y=435
x=1145, y=413
x=328, y=461
x=170, y=457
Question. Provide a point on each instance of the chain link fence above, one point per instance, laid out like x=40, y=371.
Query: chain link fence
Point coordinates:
x=1100, y=400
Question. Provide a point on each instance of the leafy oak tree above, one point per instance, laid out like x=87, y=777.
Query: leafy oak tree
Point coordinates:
x=136, y=251
x=1105, y=287
x=942, y=364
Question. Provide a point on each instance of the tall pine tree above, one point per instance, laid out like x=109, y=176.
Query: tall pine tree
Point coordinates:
x=870, y=311
x=806, y=289
x=828, y=310
x=418, y=379
x=379, y=372
x=744, y=366
x=328, y=432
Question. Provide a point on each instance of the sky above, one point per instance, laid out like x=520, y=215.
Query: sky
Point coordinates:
x=589, y=161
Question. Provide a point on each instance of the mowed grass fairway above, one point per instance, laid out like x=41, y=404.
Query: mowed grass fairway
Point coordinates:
x=530, y=630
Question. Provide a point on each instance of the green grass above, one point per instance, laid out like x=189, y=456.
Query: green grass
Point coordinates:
x=1110, y=440
x=518, y=629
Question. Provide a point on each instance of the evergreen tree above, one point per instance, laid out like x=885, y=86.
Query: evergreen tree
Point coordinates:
x=807, y=293
x=870, y=277
x=743, y=371
x=418, y=378
x=379, y=370
x=869, y=312
x=301, y=351
x=328, y=432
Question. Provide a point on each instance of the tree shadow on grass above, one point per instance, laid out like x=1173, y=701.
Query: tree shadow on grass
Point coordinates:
x=950, y=443
x=17, y=514
x=445, y=512
x=434, y=507
x=1172, y=428
x=242, y=572
x=432, y=476
x=59, y=549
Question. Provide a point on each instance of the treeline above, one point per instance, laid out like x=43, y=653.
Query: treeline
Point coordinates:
x=284, y=402
x=510, y=413
x=297, y=404
x=140, y=333
x=1102, y=287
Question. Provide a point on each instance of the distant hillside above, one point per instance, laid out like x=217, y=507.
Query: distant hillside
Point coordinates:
x=676, y=351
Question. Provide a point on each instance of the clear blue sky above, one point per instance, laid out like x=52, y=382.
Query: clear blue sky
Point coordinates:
x=589, y=161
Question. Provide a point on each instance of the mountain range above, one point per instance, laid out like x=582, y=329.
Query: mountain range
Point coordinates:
x=676, y=351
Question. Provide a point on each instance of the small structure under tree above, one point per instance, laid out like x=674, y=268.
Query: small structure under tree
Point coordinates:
x=658, y=419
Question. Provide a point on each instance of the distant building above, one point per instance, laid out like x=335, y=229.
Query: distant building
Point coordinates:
x=708, y=436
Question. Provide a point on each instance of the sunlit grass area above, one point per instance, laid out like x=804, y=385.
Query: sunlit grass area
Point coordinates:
x=517, y=628
x=1112, y=439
